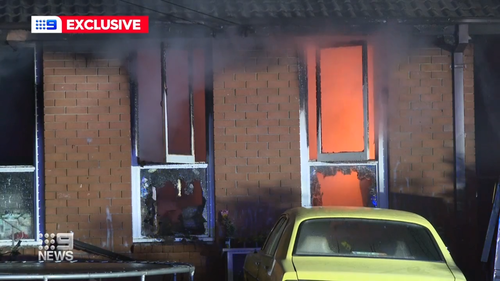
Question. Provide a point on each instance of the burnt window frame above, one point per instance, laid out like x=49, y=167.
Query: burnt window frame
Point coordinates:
x=343, y=156
x=207, y=165
x=37, y=168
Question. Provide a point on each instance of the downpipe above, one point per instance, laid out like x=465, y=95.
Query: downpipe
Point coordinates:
x=462, y=36
x=458, y=66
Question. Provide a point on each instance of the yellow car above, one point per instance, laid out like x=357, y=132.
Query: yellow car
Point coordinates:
x=351, y=244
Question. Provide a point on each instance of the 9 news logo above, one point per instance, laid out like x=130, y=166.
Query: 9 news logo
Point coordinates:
x=46, y=24
x=56, y=247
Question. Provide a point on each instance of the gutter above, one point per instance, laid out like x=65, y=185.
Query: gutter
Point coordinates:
x=15, y=26
x=462, y=36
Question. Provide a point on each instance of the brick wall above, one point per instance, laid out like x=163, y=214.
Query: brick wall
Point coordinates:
x=257, y=164
x=88, y=149
x=421, y=143
x=421, y=134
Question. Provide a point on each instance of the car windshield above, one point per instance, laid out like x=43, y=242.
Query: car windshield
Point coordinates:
x=366, y=238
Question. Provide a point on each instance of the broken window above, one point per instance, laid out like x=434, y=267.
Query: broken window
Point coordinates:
x=340, y=103
x=173, y=202
x=344, y=185
x=17, y=148
x=172, y=138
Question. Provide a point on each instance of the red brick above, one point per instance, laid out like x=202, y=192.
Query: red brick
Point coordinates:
x=431, y=67
x=245, y=76
x=257, y=84
x=265, y=76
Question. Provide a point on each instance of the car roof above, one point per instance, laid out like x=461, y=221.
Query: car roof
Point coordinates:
x=302, y=213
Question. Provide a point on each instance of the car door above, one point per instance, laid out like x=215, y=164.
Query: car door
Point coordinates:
x=268, y=251
x=251, y=267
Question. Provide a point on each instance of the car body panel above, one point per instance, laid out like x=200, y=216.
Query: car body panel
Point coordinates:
x=282, y=265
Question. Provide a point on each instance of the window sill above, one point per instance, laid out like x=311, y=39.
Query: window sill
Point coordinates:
x=20, y=168
x=141, y=240
x=342, y=163
x=172, y=166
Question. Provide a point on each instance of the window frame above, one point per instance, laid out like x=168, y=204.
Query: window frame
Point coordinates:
x=343, y=156
x=208, y=165
x=279, y=229
x=38, y=158
x=177, y=158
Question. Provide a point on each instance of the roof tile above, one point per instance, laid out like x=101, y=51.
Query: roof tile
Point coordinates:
x=247, y=10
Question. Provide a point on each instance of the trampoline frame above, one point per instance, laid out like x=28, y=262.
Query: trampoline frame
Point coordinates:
x=174, y=269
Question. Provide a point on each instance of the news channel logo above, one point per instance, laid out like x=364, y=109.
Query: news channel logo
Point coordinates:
x=56, y=247
x=46, y=24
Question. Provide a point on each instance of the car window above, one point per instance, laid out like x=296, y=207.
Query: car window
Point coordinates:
x=366, y=238
x=271, y=245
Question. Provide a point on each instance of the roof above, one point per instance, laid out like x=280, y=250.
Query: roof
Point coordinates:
x=246, y=11
x=303, y=213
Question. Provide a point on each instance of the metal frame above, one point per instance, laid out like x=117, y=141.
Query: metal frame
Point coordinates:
x=209, y=165
x=305, y=176
x=38, y=166
x=494, y=216
x=230, y=253
x=173, y=269
x=134, y=110
x=344, y=156
x=496, y=262
x=40, y=138
x=177, y=158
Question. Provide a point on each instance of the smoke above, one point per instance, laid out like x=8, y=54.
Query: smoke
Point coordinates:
x=231, y=53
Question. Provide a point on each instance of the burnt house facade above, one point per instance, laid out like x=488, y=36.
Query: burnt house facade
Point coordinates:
x=136, y=143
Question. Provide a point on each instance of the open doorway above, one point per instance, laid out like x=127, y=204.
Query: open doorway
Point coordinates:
x=487, y=125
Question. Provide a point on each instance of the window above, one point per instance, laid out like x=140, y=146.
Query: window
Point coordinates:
x=172, y=179
x=340, y=103
x=273, y=239
x=344, y=185
x=184, y=106
x=340, y=126
x=366, y=238
x=18, y=149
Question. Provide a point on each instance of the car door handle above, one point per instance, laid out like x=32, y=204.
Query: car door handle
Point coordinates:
x=257, y=263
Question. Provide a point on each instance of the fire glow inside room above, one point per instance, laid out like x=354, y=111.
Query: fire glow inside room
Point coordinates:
x=341, y=116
